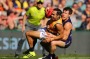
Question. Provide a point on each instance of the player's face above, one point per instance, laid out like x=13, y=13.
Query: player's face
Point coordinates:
x=39, y=5
x=88, y=7
x=54, y=15
x=65, y=15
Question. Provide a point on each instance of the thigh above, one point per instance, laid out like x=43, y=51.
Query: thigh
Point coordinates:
x=35, y=34
x=58, y=43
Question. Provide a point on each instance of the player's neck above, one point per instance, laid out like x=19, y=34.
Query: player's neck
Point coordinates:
x=66, y=19
x=38, y=8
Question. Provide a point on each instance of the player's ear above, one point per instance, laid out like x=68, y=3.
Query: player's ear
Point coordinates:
x=58, y=16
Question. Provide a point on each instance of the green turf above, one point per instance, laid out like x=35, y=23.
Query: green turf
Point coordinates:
x=70, y=56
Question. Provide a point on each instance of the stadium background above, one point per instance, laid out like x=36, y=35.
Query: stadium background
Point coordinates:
x=80, y=44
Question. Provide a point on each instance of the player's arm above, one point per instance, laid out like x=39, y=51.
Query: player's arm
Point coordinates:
x=67, y=29
x=43, y=21
x=24, y=20
x=25, y=17
x=60, y=31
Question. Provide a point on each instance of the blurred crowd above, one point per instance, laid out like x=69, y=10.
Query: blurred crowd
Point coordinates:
x=12, y=11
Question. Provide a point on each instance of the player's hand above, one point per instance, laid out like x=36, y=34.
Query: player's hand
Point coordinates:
x=48, y=40
x=49, y=35
x=45, y=41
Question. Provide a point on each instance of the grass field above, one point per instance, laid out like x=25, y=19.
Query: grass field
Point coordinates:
x=71, y=56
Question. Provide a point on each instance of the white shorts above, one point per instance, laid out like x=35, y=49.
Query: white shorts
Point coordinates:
x=42, y=33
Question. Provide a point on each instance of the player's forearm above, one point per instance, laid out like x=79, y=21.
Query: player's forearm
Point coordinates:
x=57, y=37
x=65, y=37
x=66, y=34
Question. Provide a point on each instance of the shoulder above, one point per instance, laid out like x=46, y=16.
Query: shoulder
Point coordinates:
x=33, y=7
x=59, y=26
x=58, y=21
x=43, y=8
x=68, y=25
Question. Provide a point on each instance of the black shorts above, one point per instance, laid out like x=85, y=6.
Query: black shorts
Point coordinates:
x=67, y=44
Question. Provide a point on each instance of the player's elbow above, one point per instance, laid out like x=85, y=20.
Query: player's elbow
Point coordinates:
x=64, y=38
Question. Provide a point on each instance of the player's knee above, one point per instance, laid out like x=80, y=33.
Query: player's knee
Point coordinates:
x=27, y=33
x=53, y=43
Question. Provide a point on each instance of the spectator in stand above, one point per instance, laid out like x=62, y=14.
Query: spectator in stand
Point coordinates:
x=60, y=7
x=3, y=15
x=12, y=18
x=76, y=1
x=75, y=21
x=69, y=3
x=81, y=6
x=87, y=10
x=86, y=14
x=87, y=1
x=63, y=3
x=18, y=3
x=10, y=4
x=31, y=4
x=88, y=23
x=3, y=21
x=25, y=4
x=1, y=7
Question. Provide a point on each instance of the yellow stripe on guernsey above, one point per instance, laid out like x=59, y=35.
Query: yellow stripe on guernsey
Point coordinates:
x=35, y=15
x=58, y=21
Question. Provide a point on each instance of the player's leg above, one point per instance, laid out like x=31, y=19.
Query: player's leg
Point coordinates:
x=32, y=39
x=54, y=44
x=21, y=41
x=52, y=47
x=31, y=28
x=20, y=44
x=46, y=46
x=31, y=49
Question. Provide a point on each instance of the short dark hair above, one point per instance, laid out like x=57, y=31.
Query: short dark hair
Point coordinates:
x=68, y=9
x=59, y=12
x=40, y=2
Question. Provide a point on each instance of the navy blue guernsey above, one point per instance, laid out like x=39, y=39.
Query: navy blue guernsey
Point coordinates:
x=69, y=39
